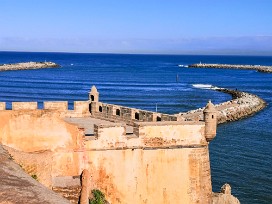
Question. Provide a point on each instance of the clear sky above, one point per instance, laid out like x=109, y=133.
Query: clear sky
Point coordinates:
x=137, y=26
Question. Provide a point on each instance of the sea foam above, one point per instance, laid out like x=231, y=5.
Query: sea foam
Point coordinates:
x=204, y=86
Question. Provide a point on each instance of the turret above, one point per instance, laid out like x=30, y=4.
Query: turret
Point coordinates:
x=94, y=95
x=210, y=119
x=93, y=99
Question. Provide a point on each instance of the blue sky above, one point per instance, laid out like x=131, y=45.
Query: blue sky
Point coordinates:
x=137, y=26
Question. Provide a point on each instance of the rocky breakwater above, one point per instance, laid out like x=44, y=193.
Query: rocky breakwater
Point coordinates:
x=242, y=105
x=28, y=65
x=259, y=68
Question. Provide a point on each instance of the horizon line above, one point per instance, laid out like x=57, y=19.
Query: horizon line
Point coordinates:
x=148, y=53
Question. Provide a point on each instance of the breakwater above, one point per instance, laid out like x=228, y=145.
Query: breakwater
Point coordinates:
x=242, y=105
x=259, y=68
x=28, y=65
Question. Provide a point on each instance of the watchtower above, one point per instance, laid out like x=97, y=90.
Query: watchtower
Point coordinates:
x=94, y=95
x=93, y=99
x=210, y=118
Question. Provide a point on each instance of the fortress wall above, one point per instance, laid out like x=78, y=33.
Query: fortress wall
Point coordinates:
x=143, y=175
x=38, y=130
x=67, y=164
x=81, y=107
x=132, y=169
x=2, y=106
x=166, y=117
x=24, y=105
x=128, y=115
x=56, y=105
x=136, y=169
x=147, y=135
x=110, y=130
x=170, y=133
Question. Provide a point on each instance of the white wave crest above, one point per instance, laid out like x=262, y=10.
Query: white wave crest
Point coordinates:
x=181, y=65
x=204, y=86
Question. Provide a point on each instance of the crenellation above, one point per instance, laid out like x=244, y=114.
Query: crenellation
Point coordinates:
x=128, y=115
x=81, y=107
x=56, y=105
x=2, y=106
x=24, y=105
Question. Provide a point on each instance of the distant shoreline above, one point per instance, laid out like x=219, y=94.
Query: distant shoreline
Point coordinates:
x=259, y=68
x=28, y=65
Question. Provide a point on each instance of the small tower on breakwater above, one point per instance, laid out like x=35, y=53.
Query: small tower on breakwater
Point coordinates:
x=210, y=118
x=93, y=99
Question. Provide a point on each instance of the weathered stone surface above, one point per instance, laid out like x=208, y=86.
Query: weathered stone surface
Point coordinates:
x=18, y=187
x=71, y=193
x=85, y=180
x=224, y=197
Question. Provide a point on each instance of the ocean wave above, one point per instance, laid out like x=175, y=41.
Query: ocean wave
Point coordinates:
x=182, y=65
x=203, y=86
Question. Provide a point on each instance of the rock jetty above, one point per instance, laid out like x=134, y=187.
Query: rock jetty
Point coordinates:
x=259, y=68
x=242, y=105
x=28, y=65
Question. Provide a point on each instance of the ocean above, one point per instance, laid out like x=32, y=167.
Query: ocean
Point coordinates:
x=241, y=153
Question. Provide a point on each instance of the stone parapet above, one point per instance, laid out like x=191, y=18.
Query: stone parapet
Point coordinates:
x=81, y=107
x=24, y=105
x=2, y=106
x=170, y=134
x=128, y=115
x=56, y=105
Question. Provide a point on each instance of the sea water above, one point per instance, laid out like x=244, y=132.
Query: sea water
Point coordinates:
x=241, y=153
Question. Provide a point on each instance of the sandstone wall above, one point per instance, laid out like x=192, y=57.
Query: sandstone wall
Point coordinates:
x=2, y=106
x=37, y=130
x=56, y=105
x=81, y=108
x=166, y=162
x=128, y=115
x=24, y=105
x=161, y=162
x=179, y=175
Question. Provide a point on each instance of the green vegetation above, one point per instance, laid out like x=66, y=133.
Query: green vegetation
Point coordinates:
x=98, y=197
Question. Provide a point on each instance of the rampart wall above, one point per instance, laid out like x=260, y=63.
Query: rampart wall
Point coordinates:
x=24, y=105
x=128, y=115
x=165, y=160
x=128, y=169
x=80, y=109
x=2, y=106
